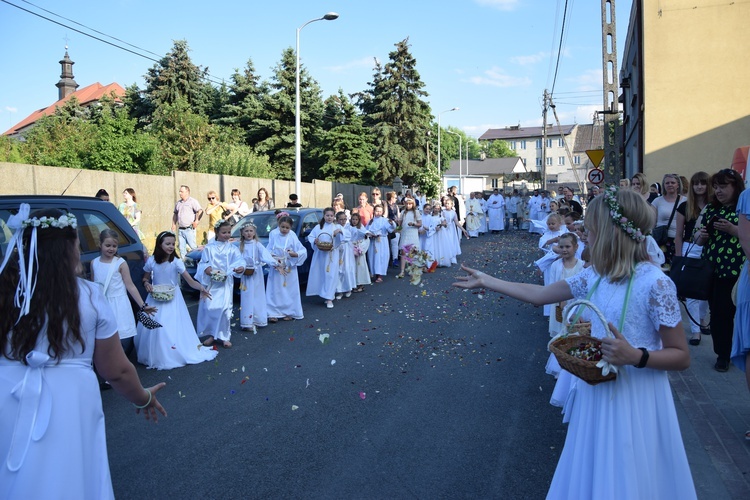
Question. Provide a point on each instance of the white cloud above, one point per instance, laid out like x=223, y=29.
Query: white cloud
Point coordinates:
x=11, y=109
x=588, y=80
x=497, y=77
x=527, y=60
x=499, y=4
x=364, y=62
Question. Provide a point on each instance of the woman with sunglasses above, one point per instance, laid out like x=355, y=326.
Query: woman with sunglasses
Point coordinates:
x=689, y=221
x=721, y=245
x=214, y=210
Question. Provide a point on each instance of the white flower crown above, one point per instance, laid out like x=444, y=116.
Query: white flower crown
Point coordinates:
x=65, y=220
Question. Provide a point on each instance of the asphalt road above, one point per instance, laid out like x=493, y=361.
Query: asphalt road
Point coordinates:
x=421, y=392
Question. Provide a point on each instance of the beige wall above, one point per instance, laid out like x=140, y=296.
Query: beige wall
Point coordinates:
x=696, y=110
x=155, y=194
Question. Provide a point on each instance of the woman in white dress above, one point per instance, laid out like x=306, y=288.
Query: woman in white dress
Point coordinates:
x=220, y=262
x=325, y=265
x=624, y=439
x=282, y=289
x=378, y=255
x=175, y=344
x=52, y=434
x=253, y=308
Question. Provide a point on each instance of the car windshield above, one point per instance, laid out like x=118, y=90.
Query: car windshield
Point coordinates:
x=264, y=223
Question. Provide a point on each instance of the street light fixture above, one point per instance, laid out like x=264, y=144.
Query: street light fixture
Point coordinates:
x=460, y=171
x=438, y=152
x=297, y=128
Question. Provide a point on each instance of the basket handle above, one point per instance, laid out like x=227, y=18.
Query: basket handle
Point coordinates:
x=587, y=303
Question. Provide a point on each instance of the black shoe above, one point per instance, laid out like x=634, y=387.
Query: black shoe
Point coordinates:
x=696, y=341
x=722, y=365
x=705, y=330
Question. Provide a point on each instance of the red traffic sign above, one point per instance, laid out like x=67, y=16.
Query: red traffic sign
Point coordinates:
x=596, y=176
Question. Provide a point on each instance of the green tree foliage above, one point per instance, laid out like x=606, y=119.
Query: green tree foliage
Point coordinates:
x=347, y=145
x=244, y=104
x=498, y=149
x=277, y=120
x=401, y=118
x=10, y=150
x=181, y=134
x=175, y=77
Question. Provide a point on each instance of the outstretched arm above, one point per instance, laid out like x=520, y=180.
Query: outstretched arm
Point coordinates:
x=526, y=292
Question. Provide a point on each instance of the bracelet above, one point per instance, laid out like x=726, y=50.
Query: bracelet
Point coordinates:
x=644, y=358
x=150, y=397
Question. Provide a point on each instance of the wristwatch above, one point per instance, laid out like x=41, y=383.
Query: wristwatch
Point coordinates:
x=644, y=358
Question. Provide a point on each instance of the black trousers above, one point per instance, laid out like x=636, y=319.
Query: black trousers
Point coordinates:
x=722, y=316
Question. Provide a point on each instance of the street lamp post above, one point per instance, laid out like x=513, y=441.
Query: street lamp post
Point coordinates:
x=438, y=152
x=460, y=171
x=297, y=128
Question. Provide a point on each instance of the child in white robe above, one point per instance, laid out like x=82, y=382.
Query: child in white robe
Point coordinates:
x=360, y=244
x=220, y=261
x=442, y=243
x=378, y=255
x=325, y=265
x=548, y=243
x=253, y=308
x=282, y=289
x=347, y=269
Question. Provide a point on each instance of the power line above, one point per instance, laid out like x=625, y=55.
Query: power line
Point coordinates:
x=207, y=77
x=559, y=48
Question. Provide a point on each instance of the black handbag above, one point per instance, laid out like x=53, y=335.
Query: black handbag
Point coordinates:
x=693, y=277
x=660, y=233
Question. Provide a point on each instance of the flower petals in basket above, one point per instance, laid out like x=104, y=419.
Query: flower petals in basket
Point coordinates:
x=578, y=352
x=324, y=242
x=218, y=275
x=163, y=293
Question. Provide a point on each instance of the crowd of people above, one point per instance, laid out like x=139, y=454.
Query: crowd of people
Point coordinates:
x=616, y=446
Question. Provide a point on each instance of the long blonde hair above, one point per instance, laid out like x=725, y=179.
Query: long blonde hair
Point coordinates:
x=614, y=254
x=242, y=238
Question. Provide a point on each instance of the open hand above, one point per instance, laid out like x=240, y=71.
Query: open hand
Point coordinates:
x=473, y=279
x=150, y=412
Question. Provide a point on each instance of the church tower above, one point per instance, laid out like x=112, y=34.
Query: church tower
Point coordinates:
x=67, y=85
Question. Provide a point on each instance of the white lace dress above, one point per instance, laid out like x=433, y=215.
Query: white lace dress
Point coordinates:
x=624, y=440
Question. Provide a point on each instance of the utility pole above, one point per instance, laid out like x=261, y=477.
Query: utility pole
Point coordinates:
x=545, y=107
x=613, y=170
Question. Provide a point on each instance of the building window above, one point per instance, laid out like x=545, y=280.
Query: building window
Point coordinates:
x=512, y=145
x=577, y=159
x=495, y=183
x=539, y=144
x=538, y=162
x=561, y=143
x=523, y=144
x=549, y=161
x=523, y=160
x=561, y=160
x=549, y=143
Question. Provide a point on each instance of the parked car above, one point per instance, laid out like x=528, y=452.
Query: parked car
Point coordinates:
x=94, y=215
x=303, y=221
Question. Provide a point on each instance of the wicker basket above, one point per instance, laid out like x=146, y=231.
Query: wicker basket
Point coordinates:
x=249, y=271
x=162, y=293
x=325, y=244
x=559, y=312
x=574, y=336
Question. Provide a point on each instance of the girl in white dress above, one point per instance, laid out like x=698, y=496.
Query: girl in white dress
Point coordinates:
x=325, y=265
x=454, y=228
x=411, y=221
x=253, y=309
x=360, y=244
x=52, y=434
x=548, y=244
x=113, y=274
x=220, y=261
x=624, y=438
x=175, y=344
x=348, y=269
x=426, y=235
x=442, y=241
x=282, y=290
x=378, y=255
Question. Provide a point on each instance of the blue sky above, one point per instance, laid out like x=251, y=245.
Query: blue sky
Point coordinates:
x=490, y=58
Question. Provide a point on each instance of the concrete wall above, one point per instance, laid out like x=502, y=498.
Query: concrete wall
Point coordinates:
x=157, y=195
